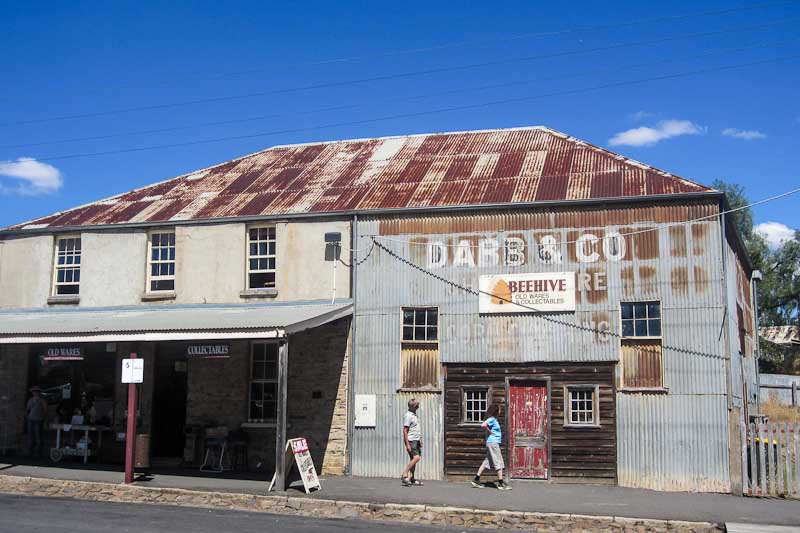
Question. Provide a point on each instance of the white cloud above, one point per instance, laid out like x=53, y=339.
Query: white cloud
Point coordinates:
x=774, y=233
x=29, y=177
x=747, y=135
x=646, y=136
x=641, y=115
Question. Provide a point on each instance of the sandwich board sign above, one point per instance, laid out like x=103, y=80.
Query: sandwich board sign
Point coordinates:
x=305, y=465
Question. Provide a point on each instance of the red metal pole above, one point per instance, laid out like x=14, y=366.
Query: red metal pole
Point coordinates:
x=130, y=434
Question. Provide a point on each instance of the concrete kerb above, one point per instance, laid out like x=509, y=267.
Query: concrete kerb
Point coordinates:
x=321, y=508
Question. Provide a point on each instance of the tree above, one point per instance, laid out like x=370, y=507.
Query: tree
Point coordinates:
x=779, y=290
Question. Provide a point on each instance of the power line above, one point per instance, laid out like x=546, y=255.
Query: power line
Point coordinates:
x=426, y=112
x=408, y=98
x=627, y=234
x=387, y=77
x=459, y=44
x=546, y=318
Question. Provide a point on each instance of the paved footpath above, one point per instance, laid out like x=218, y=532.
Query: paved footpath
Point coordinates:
x=526, y=496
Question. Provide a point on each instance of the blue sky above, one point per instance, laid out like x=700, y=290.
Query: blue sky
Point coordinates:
x=76, y=58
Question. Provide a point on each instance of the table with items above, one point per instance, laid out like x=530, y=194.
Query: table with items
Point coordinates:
x=83, y=448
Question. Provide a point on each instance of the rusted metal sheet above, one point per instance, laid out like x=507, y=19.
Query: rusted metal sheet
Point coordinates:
x=789, y=335
x=437, y=170
x=529, y=428
x=420, y=366
x=682, y=269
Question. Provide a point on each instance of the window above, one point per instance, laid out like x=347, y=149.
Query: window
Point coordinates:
x=161, y=271
x=475, y=403
x=641, y=319
x=67, y=276
x=261, y=258
x=420, y=324
x=581, y=405
x=641, y=345
x=263, y=382
x=419, y=354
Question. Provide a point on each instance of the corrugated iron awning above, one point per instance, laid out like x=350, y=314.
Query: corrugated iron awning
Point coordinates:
x=161, y=323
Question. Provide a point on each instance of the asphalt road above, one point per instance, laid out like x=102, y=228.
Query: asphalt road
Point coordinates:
x=24, y=514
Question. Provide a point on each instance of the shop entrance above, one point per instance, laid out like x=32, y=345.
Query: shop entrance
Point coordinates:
x=529, y=429
x=169, y=402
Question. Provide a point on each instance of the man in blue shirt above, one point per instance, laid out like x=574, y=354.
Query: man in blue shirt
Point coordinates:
x=494, y=457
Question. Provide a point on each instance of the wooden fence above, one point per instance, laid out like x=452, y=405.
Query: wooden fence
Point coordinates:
x=773, y=460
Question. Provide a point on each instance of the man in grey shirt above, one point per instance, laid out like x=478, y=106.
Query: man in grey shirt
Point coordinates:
x=35, y=413
x=412, y=440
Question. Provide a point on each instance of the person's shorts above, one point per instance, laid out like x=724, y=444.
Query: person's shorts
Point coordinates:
x=494, y=459
x=415, y=449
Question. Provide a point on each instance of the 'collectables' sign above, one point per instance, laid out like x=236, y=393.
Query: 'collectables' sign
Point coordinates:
x=207, y=351
x=527, y=293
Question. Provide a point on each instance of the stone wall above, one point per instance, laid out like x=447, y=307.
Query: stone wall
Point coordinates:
x=321, y=508
x=13, y=396
x=317, y=393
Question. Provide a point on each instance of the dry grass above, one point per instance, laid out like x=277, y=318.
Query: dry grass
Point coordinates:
x=780, y=413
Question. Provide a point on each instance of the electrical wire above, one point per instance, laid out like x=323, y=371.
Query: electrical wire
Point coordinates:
x=459, y=44
x=426, y=112
x=546, y=318
x=623, y=235
x=448, y=92
x=387, y=77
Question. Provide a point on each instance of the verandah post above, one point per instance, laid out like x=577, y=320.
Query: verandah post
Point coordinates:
x=280, y=426
x=130, y=434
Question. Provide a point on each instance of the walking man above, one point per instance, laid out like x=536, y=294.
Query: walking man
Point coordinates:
x=35, y=412
x=413, y=443
x=494, y=457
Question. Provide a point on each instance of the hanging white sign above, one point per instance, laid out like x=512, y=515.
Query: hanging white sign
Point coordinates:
x=132, y=370
x=545, y=292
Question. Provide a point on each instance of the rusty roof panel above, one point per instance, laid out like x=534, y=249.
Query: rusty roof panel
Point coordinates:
x=521, y=165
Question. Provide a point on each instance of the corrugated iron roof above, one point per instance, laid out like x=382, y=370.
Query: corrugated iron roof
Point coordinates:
x=504, y=166
x=781, y=334
x=34, y=325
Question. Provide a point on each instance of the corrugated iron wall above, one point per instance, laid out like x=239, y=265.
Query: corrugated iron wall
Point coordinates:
x=676, y=440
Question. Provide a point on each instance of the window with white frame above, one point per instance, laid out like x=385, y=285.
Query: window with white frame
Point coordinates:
x=475, y=403
x=261, y=257
x=161, y=269
x=263, y=403
x=581, y=407
x=67, y=275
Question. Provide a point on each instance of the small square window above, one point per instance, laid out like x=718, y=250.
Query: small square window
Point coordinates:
x=581, y=405
x=475, y=403
x=420, y=324
x=640, y=319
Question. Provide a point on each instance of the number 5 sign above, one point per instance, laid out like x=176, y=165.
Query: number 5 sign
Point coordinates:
x=132, y=370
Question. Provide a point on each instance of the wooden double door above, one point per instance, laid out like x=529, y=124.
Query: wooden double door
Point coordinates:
x=529, y=429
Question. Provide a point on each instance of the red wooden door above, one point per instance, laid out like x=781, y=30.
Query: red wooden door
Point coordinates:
x=528, y=426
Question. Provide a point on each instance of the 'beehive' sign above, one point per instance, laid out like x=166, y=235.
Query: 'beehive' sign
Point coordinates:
x=527, y=293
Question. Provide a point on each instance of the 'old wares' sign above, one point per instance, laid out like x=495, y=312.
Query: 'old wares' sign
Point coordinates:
x=208, y=351
x=64, y=353
x=527, y=293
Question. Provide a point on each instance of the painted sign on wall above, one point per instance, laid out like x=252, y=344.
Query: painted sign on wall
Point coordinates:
x=515, y=251
x=527, y=293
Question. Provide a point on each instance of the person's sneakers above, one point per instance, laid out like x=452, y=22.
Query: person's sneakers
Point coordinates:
x=416, y=482
x=476, y=482
x=405, y=481
x=502, y=485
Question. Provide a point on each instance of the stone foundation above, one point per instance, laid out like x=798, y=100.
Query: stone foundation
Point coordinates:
x=317, y=508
